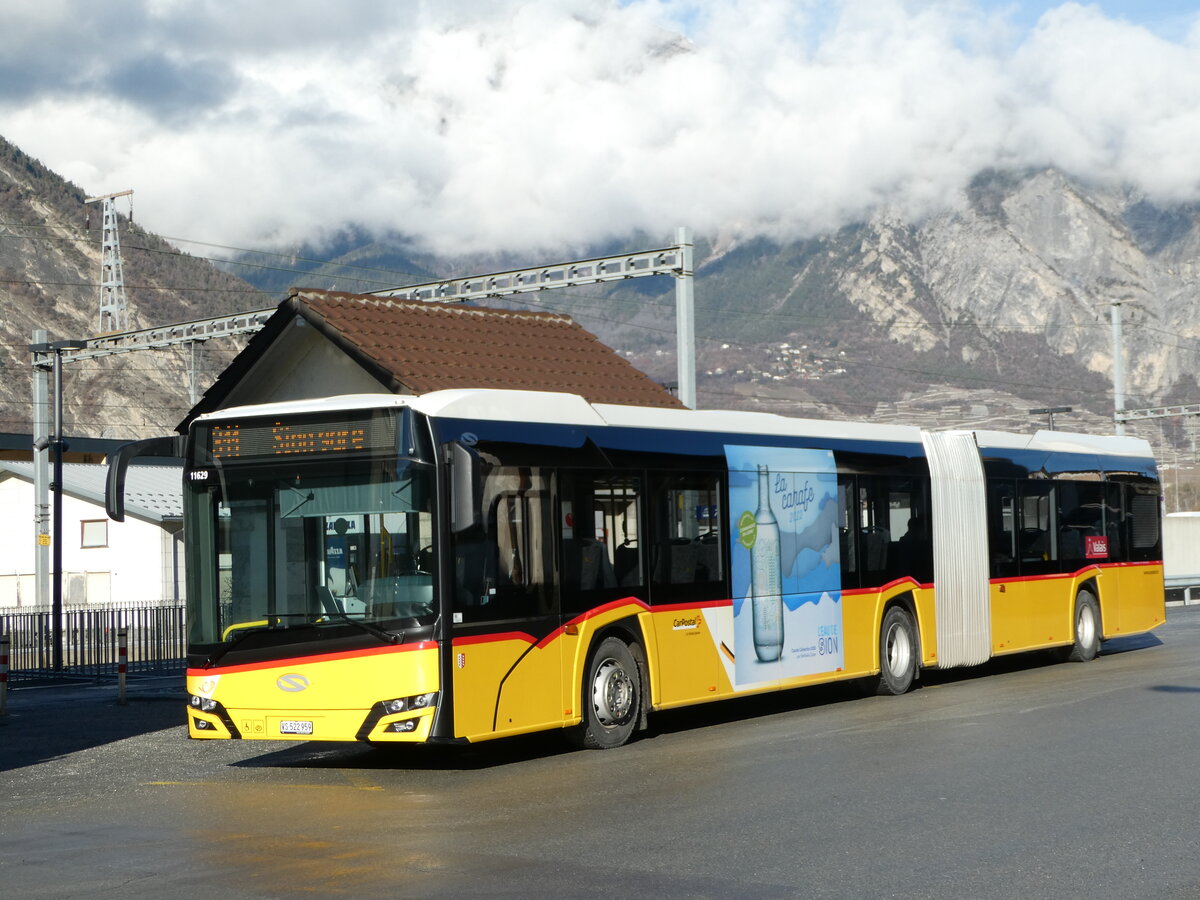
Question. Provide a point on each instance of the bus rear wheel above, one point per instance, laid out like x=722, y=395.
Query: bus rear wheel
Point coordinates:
x=612, y=697
x=1087, y=629
x=897, y=652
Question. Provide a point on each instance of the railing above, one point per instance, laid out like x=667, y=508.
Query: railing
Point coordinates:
x=155, y=634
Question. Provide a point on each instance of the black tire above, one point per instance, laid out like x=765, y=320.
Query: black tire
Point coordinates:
x=897, y=652
x=611, y=696
x=1087, y=628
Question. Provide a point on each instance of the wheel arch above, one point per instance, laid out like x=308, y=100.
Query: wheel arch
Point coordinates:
x=1091, y=584
x=628, y=630
x=905, y=600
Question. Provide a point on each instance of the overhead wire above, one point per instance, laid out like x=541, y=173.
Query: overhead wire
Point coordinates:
x=607, y=301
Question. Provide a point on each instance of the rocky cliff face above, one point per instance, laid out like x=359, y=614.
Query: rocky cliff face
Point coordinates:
x=969, y=318
x=1043, y=256
x=1002, y=304
x=49, y=274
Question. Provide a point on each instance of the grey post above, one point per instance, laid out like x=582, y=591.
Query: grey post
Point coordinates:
x=122, y=663
x=1118, y=369
x=4, y=645
x=685, y=317
x=41, y=473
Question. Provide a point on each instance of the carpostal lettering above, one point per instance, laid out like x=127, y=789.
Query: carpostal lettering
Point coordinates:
x=685, y=623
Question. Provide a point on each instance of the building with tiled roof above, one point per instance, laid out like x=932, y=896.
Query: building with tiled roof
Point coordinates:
x=323, y=343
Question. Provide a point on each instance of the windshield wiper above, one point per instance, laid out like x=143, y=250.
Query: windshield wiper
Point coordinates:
x=212, y=659
x=388, y=637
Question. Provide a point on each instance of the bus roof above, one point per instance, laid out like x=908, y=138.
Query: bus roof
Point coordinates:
x=546, y=407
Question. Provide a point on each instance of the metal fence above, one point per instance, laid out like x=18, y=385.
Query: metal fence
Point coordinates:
x=156, y=639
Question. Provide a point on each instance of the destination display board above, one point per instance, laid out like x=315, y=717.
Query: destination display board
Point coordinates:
x=259, y=439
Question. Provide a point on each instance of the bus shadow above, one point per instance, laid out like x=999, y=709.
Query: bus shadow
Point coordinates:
x=524, y=748
x=418, y=757
x=542, y=745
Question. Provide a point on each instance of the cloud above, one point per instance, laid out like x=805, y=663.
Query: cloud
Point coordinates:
x=547, y=126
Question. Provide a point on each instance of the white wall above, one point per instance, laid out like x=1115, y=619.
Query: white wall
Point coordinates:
x=136, y=566
x=1181, y=544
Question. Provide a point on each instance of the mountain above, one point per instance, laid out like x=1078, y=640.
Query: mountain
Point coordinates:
x=969, y=318
x=351, y=261
x=49, y=274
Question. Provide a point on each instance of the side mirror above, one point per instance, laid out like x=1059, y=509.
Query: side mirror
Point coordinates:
x=465, y=483
x=118, y=465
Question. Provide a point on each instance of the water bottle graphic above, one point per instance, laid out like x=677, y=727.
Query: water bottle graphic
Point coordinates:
x=766, y=585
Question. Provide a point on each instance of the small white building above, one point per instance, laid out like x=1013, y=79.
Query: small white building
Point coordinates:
x=139, y=560
x=1181, y=554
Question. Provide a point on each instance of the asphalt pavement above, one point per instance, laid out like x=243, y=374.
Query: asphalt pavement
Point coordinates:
x=48, y=720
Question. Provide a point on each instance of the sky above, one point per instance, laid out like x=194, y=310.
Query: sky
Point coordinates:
x=549, y=126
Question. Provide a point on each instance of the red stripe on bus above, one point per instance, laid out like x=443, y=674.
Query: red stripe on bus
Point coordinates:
x=908, y=579
x=640, y=605
x=1051, y=576
x=522, y=636
x=315, y=658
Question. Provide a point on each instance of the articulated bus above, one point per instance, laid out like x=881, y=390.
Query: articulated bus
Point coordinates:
x=470, y=564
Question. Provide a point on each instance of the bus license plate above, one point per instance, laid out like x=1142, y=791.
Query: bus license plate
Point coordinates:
x=295, y=727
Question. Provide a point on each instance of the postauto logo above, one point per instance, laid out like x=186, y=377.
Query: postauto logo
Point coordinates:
x=291, y=682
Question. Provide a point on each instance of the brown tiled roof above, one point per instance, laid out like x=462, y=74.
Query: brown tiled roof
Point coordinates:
x=432, y=346
x=418, y=347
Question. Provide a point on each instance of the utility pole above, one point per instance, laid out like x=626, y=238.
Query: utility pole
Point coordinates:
x=685, y=318
x=40, y=351
x=1118, y=367
x=41, y=473
x=114, y=312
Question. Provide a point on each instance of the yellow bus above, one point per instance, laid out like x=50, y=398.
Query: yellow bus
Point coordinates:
x=470, y=564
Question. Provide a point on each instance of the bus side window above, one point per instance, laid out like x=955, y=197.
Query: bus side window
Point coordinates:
x=686, y=551
x=601, y=539
x=847, y=530
x=503, y=565
x=1037, y=539
x=1002, y=528
x=894, y=534
x=1081, y=521
x=1114, y=514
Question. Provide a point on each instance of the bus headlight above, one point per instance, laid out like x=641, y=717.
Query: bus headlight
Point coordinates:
x=410, y=704
x=204, y=704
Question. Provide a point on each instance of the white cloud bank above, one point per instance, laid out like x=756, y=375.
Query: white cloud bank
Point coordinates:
x=548, y=125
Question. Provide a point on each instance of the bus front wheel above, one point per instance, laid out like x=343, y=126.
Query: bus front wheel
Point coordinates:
x=612, y=696
x=1087, y=628
x=897, y=652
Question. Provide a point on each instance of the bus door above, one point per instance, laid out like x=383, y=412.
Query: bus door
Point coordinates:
x=1033, y=613
x=1004, y=549
x=505, y=615
x=603, y=567
x=693, y=620
x=1135, y=536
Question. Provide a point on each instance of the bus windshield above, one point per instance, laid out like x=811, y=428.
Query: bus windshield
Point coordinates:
x=312, y=544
